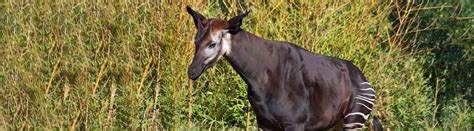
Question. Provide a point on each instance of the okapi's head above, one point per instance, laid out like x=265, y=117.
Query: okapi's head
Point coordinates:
x=212, y=40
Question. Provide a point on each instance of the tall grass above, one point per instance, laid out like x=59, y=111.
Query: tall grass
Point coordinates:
x=122, y=64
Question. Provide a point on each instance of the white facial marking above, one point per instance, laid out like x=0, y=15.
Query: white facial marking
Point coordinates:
x=210, y=53
x=226, y=41
x=222, y=40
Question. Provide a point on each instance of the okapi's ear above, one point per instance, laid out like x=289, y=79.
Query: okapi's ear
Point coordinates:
x=197, y=17
x=235, y=23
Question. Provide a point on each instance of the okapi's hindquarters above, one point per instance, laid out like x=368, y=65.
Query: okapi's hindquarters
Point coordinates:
x=361, y=107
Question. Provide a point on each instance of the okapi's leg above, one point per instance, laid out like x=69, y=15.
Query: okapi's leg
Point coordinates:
x=360, y=107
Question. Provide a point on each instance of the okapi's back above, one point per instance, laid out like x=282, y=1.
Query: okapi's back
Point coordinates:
x=325, y=80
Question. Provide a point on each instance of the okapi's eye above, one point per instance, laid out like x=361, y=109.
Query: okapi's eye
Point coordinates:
x=212, y=45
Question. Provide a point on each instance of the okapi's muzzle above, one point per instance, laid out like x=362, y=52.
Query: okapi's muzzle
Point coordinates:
x=195, y=69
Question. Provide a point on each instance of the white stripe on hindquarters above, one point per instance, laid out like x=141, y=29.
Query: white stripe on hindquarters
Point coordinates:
x=364, y=106
x=367, y=94
x=353, y=124
x=358, y=113
x=365, y=83
x=365, y=89
x=368, y=101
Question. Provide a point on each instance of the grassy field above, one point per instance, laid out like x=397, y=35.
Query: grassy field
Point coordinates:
x=122, y=64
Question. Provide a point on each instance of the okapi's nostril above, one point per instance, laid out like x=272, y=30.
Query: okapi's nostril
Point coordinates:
x=192, y=74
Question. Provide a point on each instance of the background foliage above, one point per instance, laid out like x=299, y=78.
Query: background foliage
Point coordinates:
x=122, y=64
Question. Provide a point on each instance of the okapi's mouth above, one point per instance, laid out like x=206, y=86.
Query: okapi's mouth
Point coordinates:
x=194, y=72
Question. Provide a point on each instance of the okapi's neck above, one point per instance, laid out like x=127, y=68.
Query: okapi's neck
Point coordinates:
x=247, y=55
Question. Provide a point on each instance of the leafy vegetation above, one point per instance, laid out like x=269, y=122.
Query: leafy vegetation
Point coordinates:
x=122, y=64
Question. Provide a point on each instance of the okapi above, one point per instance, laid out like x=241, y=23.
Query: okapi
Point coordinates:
x=289, y=88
